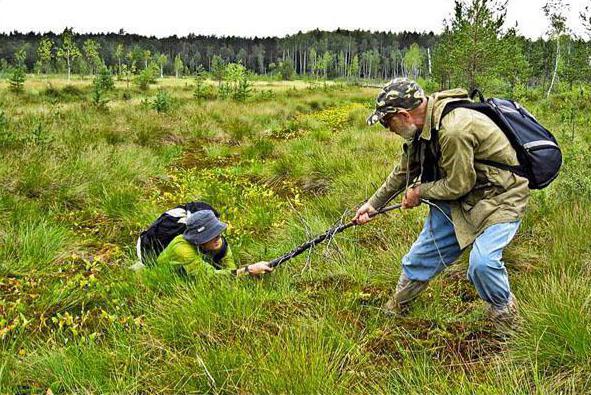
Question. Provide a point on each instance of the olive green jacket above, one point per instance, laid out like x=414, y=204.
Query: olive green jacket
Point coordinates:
x=479, y=195
x=182, y=255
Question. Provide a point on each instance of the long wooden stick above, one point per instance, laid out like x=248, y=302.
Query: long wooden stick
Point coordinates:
x=326, y=235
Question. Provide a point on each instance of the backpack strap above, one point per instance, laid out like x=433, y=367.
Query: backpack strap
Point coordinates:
x=476, y=92
x=514, y=169
x=428, y=154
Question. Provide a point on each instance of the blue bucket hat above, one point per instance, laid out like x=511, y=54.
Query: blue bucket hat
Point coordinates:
x=202, y=227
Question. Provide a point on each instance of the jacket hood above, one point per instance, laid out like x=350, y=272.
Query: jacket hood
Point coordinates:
x=435, y=106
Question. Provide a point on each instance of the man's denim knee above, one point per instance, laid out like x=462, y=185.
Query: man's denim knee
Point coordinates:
x=435, y=248
x=480, y=263
x=486, y=270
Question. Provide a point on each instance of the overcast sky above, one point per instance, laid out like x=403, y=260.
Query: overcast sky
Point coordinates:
x=249, y=18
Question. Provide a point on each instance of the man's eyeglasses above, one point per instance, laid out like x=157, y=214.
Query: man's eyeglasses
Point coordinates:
x=386, y=120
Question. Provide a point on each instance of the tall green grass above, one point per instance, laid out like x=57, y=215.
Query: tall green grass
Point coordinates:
x=80, y=184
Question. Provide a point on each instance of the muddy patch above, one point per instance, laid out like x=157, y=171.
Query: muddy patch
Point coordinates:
x=448, y=342
x=199, y=159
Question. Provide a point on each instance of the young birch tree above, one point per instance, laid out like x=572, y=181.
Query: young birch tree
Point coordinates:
x=92, y=56
x=555, y=11
x=119, y=53
x=68, y=51
x=44, y=54
x=162, y=61
x=413, y=60
x=178, y=65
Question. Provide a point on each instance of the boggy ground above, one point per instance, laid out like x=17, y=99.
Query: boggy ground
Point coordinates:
x=80, y=183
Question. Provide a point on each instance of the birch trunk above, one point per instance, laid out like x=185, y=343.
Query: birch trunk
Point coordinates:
x=555, y=66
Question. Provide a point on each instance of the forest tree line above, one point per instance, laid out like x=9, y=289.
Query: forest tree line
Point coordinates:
x=474, y=49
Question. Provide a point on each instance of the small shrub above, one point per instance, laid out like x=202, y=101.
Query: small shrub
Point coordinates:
x=98, y=98
x=51, y=92
x=201, y=91
x=104, y=80
x=146, y=77
x=16, y=79
x=266, y=94
x=285, y=70
x=238, y=128
x=243, y=90
x=38, y=136
x=224, y=91
x=261, y=149
x=3, y=121
x=238, y=85
x=162, y=102
x=429, y=85
x=6, y=136
x=73, y=91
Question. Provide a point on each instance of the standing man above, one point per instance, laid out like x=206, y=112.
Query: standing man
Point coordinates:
x=472, y=203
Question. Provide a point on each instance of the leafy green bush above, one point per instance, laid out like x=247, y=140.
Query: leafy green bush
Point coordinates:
x=283, y=69
x=162, y=102
x=238, y=81
x=146, y=77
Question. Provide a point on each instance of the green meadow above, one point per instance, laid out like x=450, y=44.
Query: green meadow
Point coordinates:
x=80, y=181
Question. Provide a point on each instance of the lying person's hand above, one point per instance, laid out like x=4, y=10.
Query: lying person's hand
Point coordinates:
x=259, y=268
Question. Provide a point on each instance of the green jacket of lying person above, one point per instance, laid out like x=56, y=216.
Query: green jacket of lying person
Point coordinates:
x=201, y=249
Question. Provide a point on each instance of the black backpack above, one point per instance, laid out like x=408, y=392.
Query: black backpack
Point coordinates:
x=167, y=226
x=537, y=150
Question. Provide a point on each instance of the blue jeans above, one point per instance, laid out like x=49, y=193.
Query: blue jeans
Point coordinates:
x=437, y=247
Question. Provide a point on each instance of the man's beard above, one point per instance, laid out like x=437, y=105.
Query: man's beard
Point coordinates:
x=408, y=132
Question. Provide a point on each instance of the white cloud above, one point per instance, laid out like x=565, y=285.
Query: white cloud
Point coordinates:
x=250, y=18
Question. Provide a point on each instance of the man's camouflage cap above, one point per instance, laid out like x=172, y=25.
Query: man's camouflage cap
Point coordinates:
x=400, y=93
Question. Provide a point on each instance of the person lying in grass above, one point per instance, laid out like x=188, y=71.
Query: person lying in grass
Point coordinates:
x=201, y=249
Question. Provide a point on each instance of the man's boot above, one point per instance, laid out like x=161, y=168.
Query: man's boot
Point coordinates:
x=505, y=316
x=406, y=291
